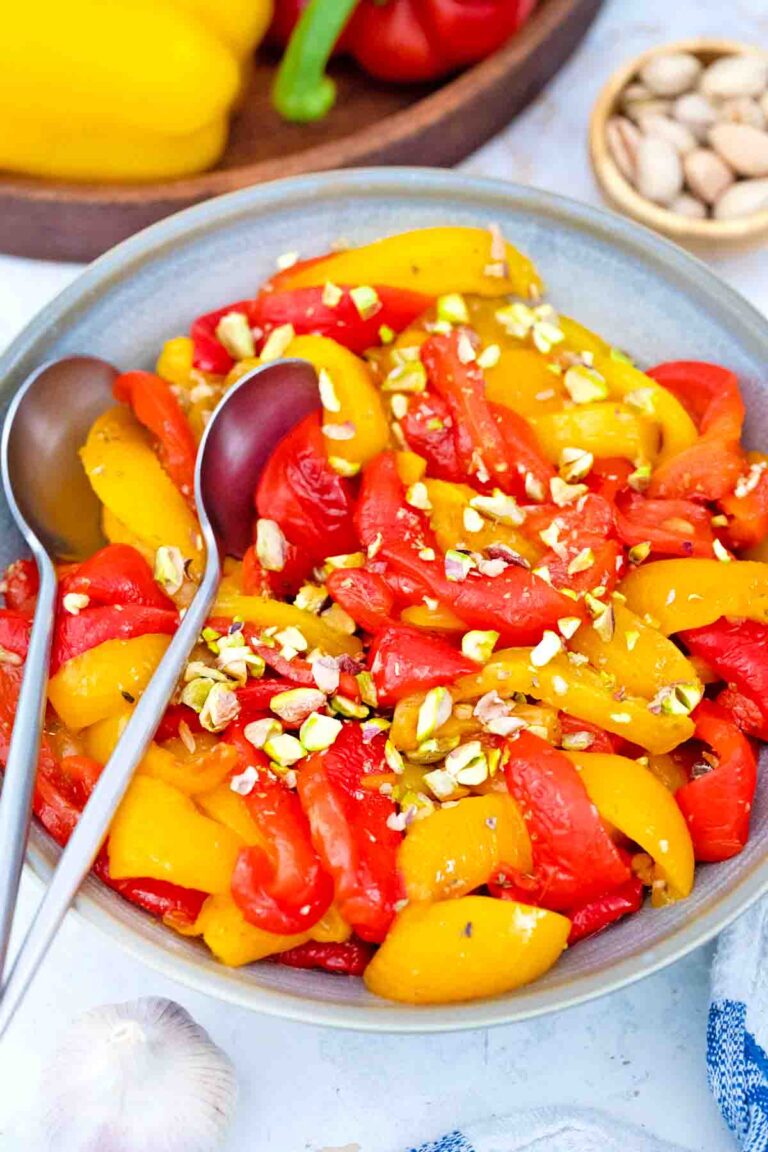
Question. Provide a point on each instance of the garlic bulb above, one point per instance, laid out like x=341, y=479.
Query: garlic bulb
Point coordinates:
x=138, y=1077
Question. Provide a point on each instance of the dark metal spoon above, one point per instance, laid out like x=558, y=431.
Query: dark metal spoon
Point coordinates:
x=256, y=412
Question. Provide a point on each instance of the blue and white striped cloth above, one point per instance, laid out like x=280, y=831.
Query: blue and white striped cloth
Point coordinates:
x=737, y=1064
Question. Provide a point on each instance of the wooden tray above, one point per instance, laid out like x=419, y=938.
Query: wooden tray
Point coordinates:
x=372, y=123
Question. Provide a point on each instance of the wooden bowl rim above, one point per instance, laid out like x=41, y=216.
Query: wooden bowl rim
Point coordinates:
x=446, y=99
x=618, y=189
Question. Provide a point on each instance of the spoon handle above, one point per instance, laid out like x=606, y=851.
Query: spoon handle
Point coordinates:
x=91, y=828
x=21, y=766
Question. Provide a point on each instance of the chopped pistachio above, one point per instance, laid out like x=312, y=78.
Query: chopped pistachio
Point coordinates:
x=234, y=332
x=427, y=554
x=169, y=569
x=721, y=552
x=319, y=731
x=417, y=496
x=386, y=334
x=639, y=552
x=621, y=717
x=74, y=602
x=348, y=708
x=499, y=506
x=332, y=295
x=458, y=565
x=489, y=357
x=748, y=483
x=543, y=573
x=452, y=309
x=472, y=520
x=465, y=349
x=581, y=561
x=577, y=741
x=575, y=464
x=195, y=693
x=564, y=494
x=546, y=649
x=345, y=560
x=245, y=782
x=374, y=547
x=602, y=616
x=642, y=399
x=328, y=397
x=326, y=674
x=676, y=699
x=277, y=343
x=367, y=689
x=640, y=478
x=468, y=764
x=393, y=759
x=631, y=639
x=336, y=617
x=585, y=385
x=196, y=669
x=366, y=301
x=478, y=645
x=399, y=405
x=296, y=704
x=568, y=626
x=410, y=376
x=221, y=707
x=441, y=783
x=559, y=685
x=271, y=545
x=339, y=432
x=259, y=731
x=374, y=727
x=434, y=711
x=284, y=749
x=311, y=597
x=719, y=521
x=534, y=488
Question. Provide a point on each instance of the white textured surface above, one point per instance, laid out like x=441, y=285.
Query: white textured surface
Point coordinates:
x=639, y=1053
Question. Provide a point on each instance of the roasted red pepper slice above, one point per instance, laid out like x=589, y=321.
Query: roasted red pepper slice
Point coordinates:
x=404, y=660
x=709, y=468
x=306, y=311
x=20, y=585
x=522, y=451
x=155, y=406
x=591, y=918
x=312, y=504
x=175, y=715
x=258, y=581
x=116, y=574
x=365, y=595
x=254, y=700
x=747, y=513
x=609, y=476
x=15, y=630
x=208, y=353
x=574, y=859
x=92, y=626
x=737, y=650
x=351, y=831
x=717, y=805
x=427, y=428
x=168, y=902
x=350, y=958
x=282, y=886
x=745, y=713
x=671, y=527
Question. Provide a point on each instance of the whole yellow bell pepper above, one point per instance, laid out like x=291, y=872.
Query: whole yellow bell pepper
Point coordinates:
x=426, y=260
x=268, y=613
x=640, y=657
x=604, y=429
x=159, y=833
x=136, y=90
x=128, y=478
x=92, y=686
x=680, y=594
x=349, y=397
x=455, y=850
x=580, y=691
x=446, y=517
x=464, y=949
x=624, y=381
x=632, y=799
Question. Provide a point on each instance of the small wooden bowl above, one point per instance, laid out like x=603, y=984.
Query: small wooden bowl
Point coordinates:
x=746, y=230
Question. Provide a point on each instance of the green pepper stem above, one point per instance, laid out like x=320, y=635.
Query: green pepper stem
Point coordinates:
x=302, y=91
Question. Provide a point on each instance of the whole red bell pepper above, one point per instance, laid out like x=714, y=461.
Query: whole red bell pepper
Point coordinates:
x=717, y=805
x=311, y=503
x=406, y=41
x=116, y=574
x=575, y=861
x=350, y=958
x=351, y=829
x=155, y=406
x=364, y=595
x=404, y=660
x=737, y=650
x=306, y=310
x=709, y=468
x=281, y=886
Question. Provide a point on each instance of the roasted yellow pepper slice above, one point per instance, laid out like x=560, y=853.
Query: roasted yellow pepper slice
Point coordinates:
x=449, y=502
x=604, y=429
x=455, y=850
x=464, y=949
x=680, y=594
x=127, y=477
x=426, y=260
x=158, y=832
x=632, y=799
x=234, y=941
x=522, y=379
x=349, y=397
x=93, y=685
x=266, y=613
x=641, y=658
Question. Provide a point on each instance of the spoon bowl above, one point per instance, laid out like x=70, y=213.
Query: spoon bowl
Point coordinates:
x=262, y=405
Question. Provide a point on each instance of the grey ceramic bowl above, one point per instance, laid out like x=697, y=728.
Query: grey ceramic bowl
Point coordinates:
x=646, y=295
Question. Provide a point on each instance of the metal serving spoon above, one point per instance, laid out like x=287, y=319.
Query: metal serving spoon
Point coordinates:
x=254, y=414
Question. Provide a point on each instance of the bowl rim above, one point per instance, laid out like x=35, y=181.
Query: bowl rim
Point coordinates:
x=480, y=193
x=617, y=188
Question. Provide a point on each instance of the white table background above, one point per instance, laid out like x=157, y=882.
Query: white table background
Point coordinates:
x=639, y=1053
